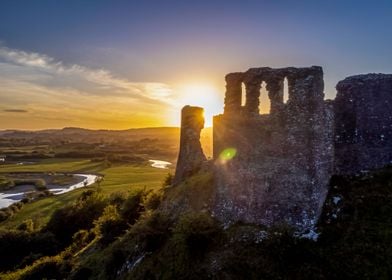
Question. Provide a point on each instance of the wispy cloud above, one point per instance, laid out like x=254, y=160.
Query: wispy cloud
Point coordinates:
x=101, y=79
x=25, y=58
x=45, y=88
x=15, y=111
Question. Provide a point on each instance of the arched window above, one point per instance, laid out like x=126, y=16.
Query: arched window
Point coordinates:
x=243, y=95
x=264, y=101
x=285, y=90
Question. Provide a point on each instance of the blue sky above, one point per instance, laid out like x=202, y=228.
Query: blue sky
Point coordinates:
x=169, y=45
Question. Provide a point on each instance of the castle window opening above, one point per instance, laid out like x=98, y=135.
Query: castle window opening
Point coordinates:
x=243, y=95
x=285, y=90
x=264, y=101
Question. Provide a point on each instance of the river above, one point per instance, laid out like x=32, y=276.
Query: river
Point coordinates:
x=160, y=163
x=18, y=193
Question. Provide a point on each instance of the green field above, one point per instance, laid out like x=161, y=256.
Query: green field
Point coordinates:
x=118, y=177
x=54, y=165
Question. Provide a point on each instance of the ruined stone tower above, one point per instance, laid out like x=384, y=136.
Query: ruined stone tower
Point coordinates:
x=283, y=160
x=191, y=156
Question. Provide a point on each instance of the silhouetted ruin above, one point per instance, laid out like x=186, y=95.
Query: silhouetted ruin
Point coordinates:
x=363, y=112
x=191, y=156
x=280, y=164
x=284, y=159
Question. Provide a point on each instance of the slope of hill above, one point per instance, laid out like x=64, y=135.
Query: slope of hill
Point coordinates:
x=353, y=241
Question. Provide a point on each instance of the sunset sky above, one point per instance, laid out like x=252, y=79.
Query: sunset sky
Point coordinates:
x=122, y=64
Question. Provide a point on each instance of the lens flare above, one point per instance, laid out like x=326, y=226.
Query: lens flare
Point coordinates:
x=227, y=154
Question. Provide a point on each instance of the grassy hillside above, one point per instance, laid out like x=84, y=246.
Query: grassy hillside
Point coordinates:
x=131, y=238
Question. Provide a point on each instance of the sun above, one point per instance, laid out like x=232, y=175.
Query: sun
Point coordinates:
x=202, y=95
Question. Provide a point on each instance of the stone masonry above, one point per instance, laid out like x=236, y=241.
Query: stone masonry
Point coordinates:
x=191, y=156
x=363, y=133
x=283, y=160
x=280, y=164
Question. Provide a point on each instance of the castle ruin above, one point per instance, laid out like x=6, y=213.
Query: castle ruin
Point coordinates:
x=191, y=154
x=363, y=127
x=280, y=164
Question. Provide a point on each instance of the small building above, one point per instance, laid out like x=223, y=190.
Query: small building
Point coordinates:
x=2, y=158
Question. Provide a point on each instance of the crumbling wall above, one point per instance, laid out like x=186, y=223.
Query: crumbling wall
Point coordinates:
x=363, y=110
x=275, y=168
x=191, y=156
x=283, y=160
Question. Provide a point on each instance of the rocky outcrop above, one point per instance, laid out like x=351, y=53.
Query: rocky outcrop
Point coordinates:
x=363, y=133
x=191, y=156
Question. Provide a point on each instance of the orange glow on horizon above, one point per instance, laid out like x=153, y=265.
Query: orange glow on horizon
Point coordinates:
x=203, y=95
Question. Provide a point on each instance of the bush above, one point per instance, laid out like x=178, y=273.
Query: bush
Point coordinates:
x=25, y=247
x=118, y=198
x=109, y=225
x=5, y=183
x=151, y=232
x=198, y=230
x=65, y=222
x=40, y=185
x=168, y=180
x=27, y=225
x=25, y=200
x=4, y=215
x=15, y=207
x=8, y=212
x=152, y=200
x=148, y=235
x=132, y=207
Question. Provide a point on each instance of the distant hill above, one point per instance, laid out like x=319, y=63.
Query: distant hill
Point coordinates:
x=76, y=134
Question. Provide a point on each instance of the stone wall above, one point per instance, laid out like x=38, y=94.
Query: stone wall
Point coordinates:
x=283, y=160
x=275, y=168
x=363, y=110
